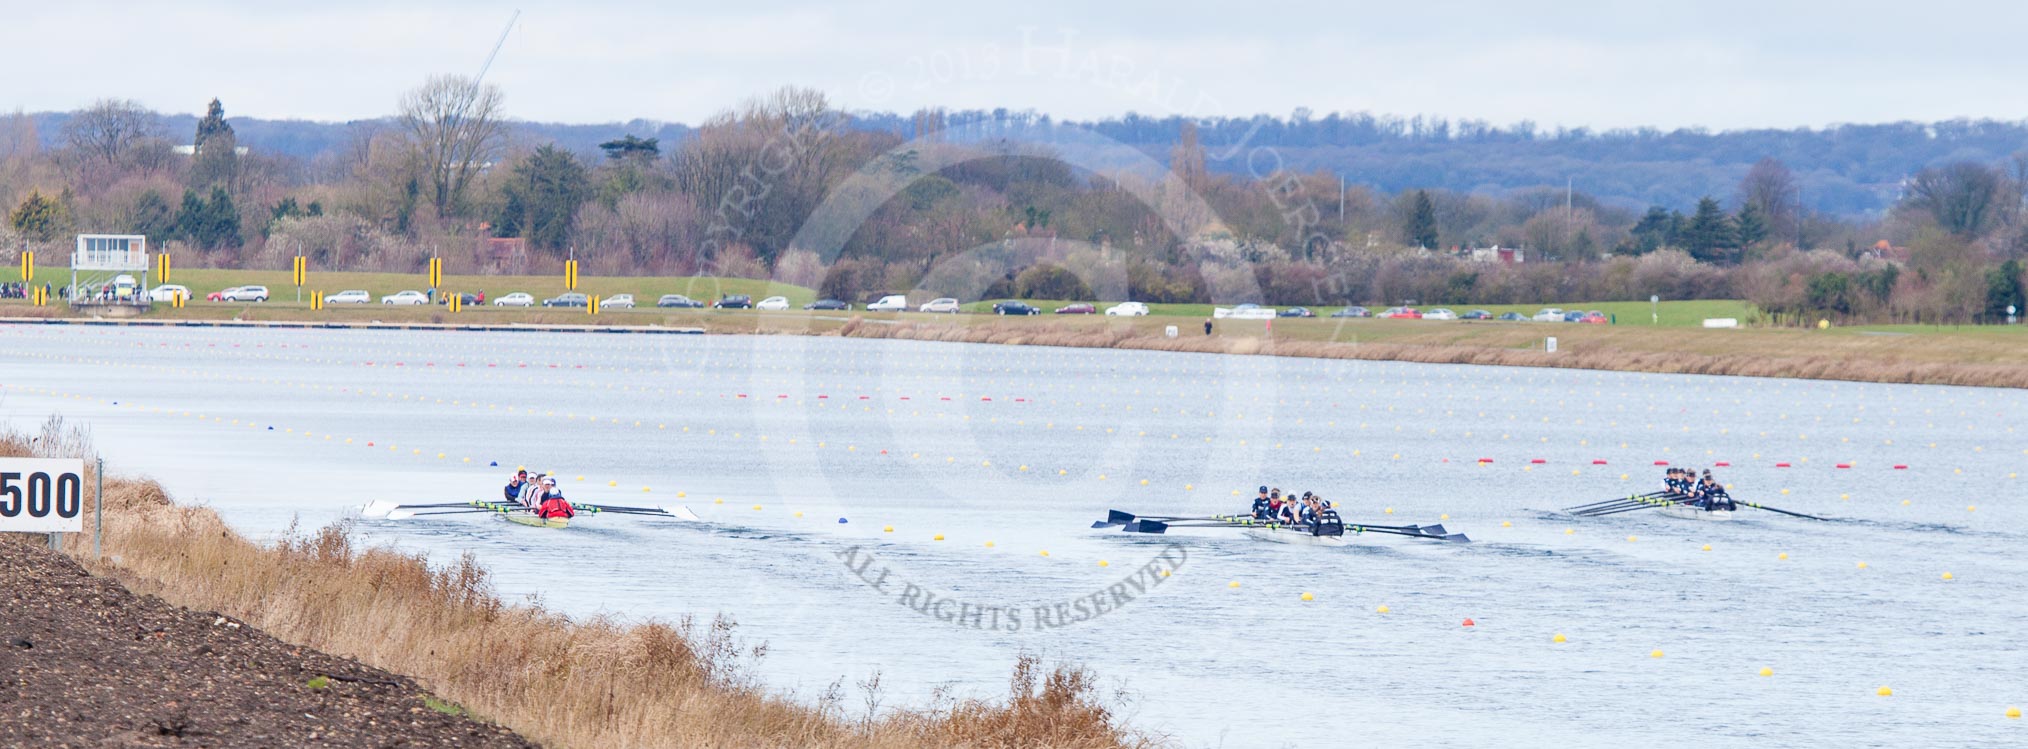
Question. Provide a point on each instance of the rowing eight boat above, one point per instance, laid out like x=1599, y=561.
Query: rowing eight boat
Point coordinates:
x=1693, y=512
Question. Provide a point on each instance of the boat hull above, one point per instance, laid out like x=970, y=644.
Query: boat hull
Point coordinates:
x=535, y=522
x=1688, y=512
x=1293, y=536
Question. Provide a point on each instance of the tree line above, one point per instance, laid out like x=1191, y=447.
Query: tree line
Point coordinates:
x=955, y=203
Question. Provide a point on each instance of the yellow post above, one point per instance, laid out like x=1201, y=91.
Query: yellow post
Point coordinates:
x=27, y=266
x=436, y=278
x=301, y=268
x=162, y=268
x=570, y=275
x=592, y=306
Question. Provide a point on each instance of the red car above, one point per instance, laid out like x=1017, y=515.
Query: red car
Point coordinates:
x=1595, y=317
x=1402, y=313
x=1077, y=309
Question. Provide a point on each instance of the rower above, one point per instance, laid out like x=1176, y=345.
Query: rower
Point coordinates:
x=531, y=491
x=1261, y=505
x=514, y=485
x=1290, y=511
x=1720, y=499
x=1275, y=503
x=553, y=503
x=1327, y=522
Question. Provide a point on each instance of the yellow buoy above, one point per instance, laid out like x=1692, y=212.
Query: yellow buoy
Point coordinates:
x=1631, y=539
x=2014, y=712
x=1707, y=547
x=1382, y=609
x=1389, y=511
x=1569, y=531
x=756, y=507
x=1655, y=654
x=1443, y=517
x=1306, y=594
x=887, y=529
x=1045, y=552
x=1884, y=692
x=1947, y=576
x=1233, y=584
x=1559, y=638
x=609, y=483
x=1862, y=565
x=1102, y=562
x=1506, y=524
x=1783, y=555
x=1765, y=671
x=989, y=544
x=799, y=513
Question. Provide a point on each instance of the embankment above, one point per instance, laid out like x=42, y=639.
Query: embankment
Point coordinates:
x=558, y=681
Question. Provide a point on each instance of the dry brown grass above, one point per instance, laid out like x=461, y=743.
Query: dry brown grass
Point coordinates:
x=596, y=683
x=1989, y=361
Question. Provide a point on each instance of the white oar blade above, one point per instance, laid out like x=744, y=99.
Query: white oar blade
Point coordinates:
x=377, y=508
x=400, y=514
x=681, y=513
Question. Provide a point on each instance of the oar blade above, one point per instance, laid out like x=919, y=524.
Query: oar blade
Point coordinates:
x=681, y=513
x=1146, y=526
x=378, y=508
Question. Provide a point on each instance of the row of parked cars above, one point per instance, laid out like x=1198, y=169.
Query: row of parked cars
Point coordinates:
x=1548, y=314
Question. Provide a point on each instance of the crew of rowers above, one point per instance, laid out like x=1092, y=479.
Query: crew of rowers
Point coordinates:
x=1311, y=510
x=1704, y=493
x=538, y=495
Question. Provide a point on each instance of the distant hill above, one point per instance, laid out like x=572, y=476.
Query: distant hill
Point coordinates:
x=1845, y=170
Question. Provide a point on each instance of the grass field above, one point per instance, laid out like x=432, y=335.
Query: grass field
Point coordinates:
x=1970, y=355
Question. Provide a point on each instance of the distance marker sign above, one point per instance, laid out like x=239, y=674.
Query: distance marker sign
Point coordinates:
x=42, y=495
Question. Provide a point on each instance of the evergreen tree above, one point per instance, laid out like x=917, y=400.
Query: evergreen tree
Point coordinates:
x=2004, y=289
x=1422, y=224
x=1710, y=236
x=153, y=218
x=222, y=220
x=632, y=148
x=190, y=218
x=543, y=196
x=1751, y=225
x=216, y=158
x=38, y=218
x=1655, y=230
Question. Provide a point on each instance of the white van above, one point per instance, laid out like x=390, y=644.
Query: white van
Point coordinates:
x=890, y=303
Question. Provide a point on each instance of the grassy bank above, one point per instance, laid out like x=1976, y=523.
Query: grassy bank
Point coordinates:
x=1662, y=338
x=594, y=683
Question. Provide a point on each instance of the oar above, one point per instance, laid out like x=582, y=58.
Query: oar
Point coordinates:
x=1774, y=509
x=1582, y=507
x=1115, y=517
x=378, y=508
x=1633, y=504
x=406, y=514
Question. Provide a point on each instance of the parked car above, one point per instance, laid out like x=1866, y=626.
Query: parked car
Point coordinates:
x=1549, y=314
x=679, y=301
x=617, y=301
x=1128, y=309
x=1595, y=317
x=889, y=303
x=1573, y=316
x=516, y=299
x=1011, y=307
x=1077, y=309
x=733, y=301
x=406, y=297
x=1296, y=312
x=465, y=299
x=219, y=295
x=1440, y=313
x=773, y=303
x=244, y=294
x=828, y=304
x=1402, y=313
x=168, y=293
x=1353, y=312
x=1513, y=317
x=350, y=296
x=942, y=304
x=567, y=299
x=1477, y=314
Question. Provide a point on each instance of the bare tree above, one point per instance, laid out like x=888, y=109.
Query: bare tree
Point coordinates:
x=110, y=138
x=1771, y=189
x=453, y=124
x=1962, y=197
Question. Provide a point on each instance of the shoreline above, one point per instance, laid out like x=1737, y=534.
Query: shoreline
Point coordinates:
x=1974, y=356
x=552, y=679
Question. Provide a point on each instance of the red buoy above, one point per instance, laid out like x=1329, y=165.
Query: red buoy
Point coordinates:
x=1470, y=623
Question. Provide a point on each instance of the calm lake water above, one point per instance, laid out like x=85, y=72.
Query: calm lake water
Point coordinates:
x=1010, y=452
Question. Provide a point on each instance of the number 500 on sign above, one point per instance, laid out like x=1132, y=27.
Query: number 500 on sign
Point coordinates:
x=41, y=495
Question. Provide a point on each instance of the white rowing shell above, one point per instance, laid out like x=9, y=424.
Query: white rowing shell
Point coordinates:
x=1688, y=512
x=1294, y=536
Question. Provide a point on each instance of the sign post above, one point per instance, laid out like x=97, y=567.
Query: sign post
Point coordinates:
x=301, y=269
x=42, y=495
x=27, y=265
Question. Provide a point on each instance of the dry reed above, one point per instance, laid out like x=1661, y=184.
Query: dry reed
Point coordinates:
x=562, y=682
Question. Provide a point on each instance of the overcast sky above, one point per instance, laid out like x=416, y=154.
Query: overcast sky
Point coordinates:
x=1598, y=63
